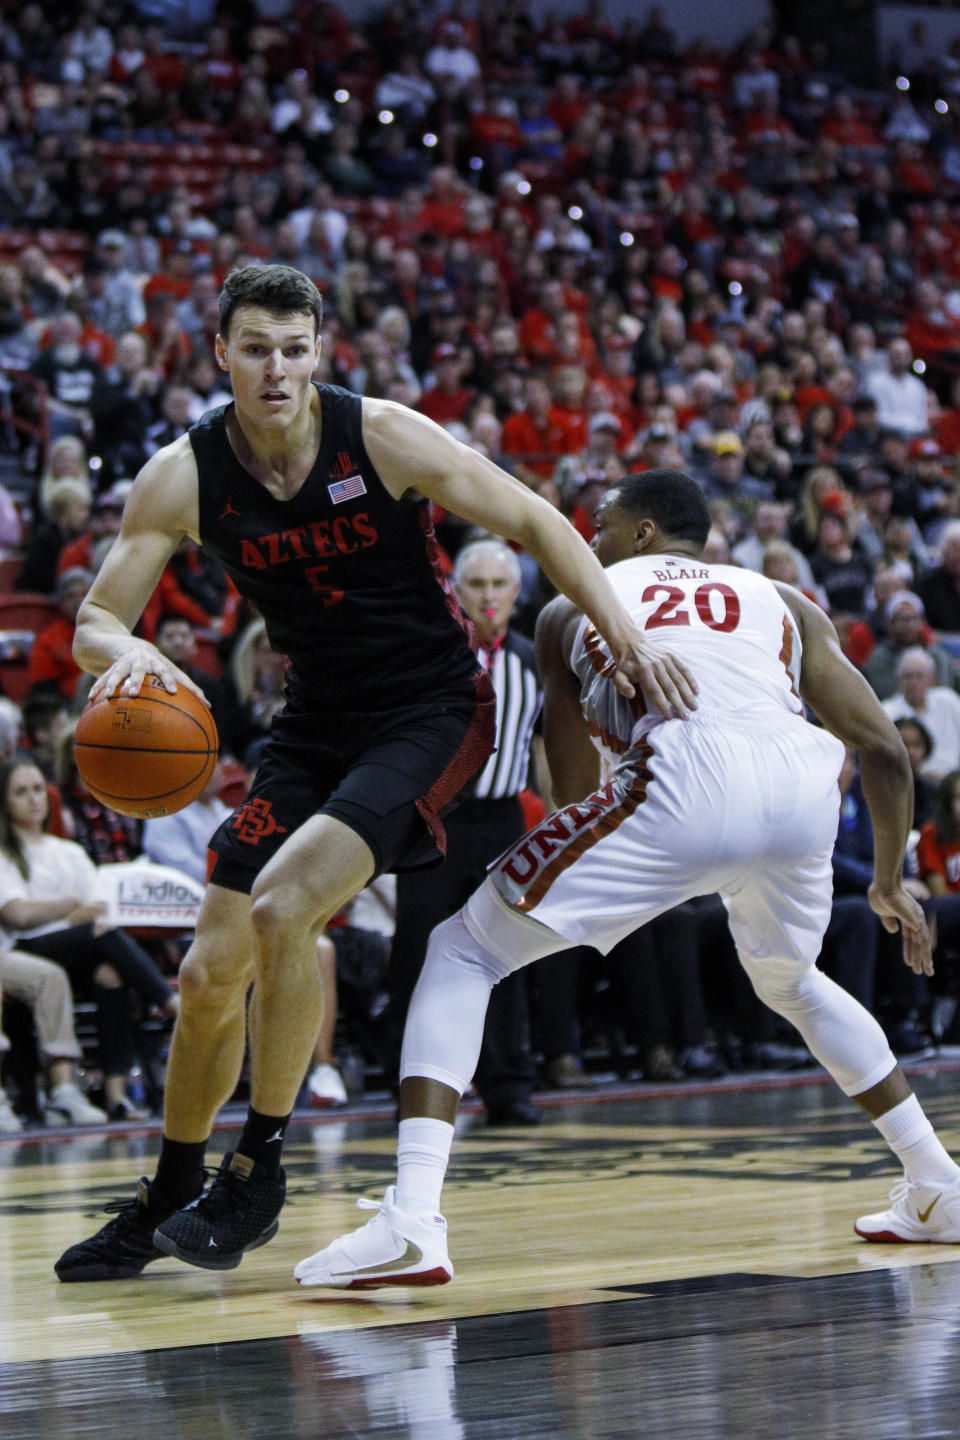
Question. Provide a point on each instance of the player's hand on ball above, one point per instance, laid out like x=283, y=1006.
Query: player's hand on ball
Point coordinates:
x=149, y=753
x=126, y=675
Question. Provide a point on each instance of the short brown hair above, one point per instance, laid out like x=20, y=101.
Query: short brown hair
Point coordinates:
x=279, y=288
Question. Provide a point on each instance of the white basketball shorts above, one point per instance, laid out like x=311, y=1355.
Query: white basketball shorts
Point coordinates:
x=716, y=803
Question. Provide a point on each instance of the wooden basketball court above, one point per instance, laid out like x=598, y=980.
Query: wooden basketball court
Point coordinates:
x=676, y=1261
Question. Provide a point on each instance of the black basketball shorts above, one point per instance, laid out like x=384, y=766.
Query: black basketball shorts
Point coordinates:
x=389, y=777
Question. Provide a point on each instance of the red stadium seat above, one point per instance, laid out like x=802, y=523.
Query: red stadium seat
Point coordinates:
x=22, y=616
x=15, y=647
x=10, y=567
x=15, y=679
x=27, y=611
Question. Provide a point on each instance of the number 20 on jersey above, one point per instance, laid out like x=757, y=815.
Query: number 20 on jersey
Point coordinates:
x=717, y=605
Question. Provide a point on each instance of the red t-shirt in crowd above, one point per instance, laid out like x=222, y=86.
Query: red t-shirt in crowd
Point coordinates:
x=521, y=436
x=936, y=859
x=52, y=657
x=947, y=431
x=78, y=555
x=443, y=405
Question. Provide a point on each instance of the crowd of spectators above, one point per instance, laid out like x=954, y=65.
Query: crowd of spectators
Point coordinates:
x=583, y=247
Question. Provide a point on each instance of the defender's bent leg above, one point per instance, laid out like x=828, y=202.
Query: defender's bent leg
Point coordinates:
x=850, y=1044
x=405, y=1243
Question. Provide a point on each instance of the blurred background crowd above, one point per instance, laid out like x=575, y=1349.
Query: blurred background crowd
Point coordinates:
x=585, y=245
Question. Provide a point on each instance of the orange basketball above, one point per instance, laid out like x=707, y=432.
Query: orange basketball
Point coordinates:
x=146, y=754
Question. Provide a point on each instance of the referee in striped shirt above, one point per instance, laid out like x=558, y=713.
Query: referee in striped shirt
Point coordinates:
x=486, y=577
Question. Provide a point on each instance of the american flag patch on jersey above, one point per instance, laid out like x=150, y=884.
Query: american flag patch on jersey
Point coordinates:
x=347, y=489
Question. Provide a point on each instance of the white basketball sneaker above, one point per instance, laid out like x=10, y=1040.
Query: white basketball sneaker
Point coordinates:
x=67, y=1105
x=325, y=1087
x=920, y=1212
x=394, y=1248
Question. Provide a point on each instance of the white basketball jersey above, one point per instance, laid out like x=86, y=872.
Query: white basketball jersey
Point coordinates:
x=729, y=625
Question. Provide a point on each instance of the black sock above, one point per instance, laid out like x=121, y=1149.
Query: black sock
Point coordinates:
x=180, y=1170
x=262, y=1138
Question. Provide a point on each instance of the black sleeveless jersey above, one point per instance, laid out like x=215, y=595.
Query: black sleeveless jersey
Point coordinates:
x=347, y=579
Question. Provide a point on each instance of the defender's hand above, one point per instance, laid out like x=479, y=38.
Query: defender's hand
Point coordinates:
x=899, y=911
x=666, y=682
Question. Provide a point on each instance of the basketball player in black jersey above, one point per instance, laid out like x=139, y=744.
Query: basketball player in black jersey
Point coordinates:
x=315, y=501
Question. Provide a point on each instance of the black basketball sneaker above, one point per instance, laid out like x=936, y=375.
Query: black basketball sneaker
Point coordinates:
x=239, y=1212
x=125, y=1245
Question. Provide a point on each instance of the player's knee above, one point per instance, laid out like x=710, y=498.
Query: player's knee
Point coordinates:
x=452, y=944
x=775, y=997
x=285, y=906
x=274, y=916
x=210, y=975
x=787, y=992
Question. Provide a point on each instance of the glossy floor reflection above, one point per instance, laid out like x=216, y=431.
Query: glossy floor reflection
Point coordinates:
x=677, y=1265
x=848, y=1357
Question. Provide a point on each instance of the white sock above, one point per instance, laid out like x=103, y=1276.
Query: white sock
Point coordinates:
x=423, y=1150
x=911, y=1137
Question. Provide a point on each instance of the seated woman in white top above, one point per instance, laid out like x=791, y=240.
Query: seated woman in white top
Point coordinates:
x=49, y=905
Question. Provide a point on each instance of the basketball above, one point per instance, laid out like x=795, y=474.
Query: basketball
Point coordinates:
x=146, y=754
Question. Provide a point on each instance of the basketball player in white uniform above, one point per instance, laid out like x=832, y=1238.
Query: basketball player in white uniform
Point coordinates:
x=741, y=798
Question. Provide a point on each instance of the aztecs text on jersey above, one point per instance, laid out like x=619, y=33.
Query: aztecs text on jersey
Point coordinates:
x=347, y=579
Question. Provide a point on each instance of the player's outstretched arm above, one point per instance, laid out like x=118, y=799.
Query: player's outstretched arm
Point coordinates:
x=161, y=508
x=572, y=757
x=412, y=454
x=848, y=707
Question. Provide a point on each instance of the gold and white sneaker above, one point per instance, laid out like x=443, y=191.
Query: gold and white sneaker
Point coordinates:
x=394, y=1248
x=920, y=1213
